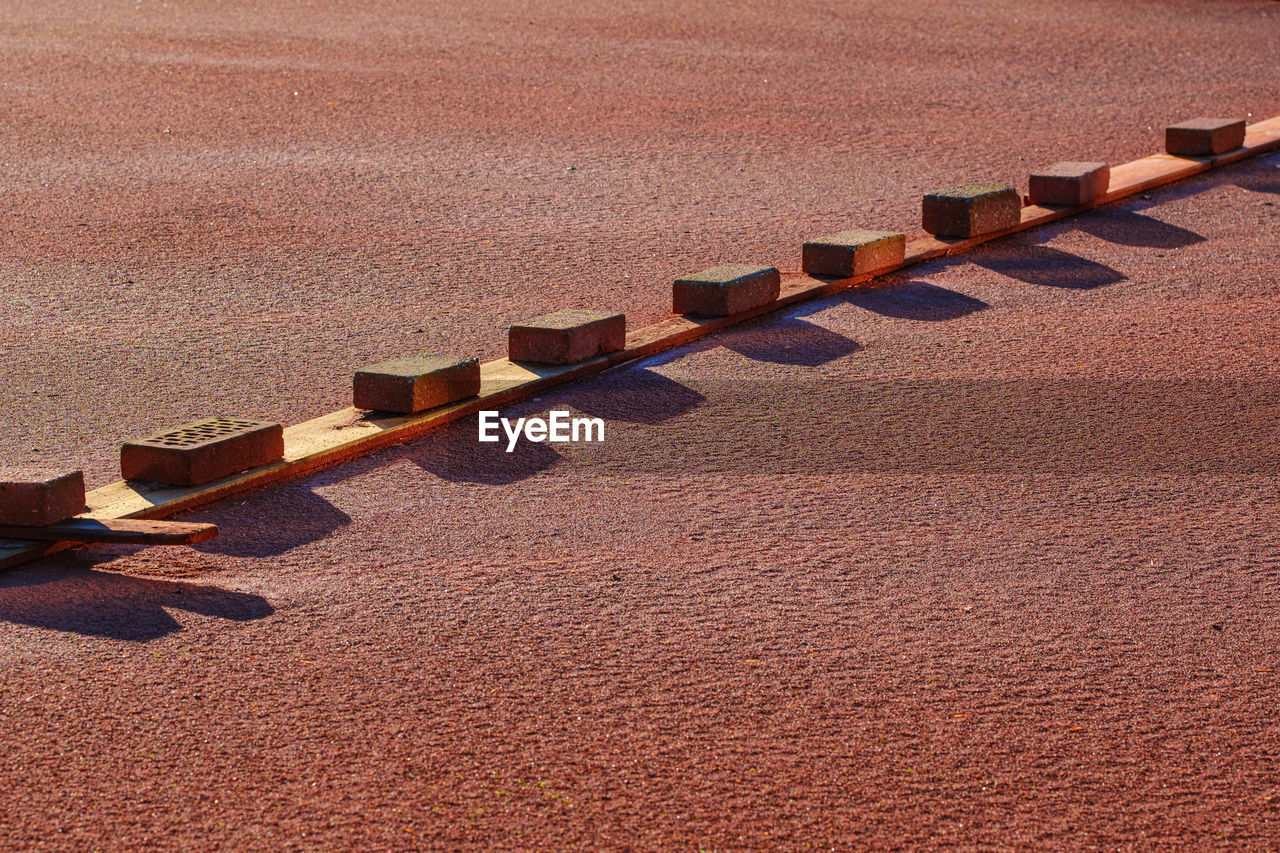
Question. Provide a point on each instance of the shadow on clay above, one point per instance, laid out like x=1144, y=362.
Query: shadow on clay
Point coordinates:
x=1260, y=181
x=63, y=593
x=915, y=300
x=1048, y=267
x=267, y=524
x=452, y=453
x=790, y=340
x=1129, y=228
x=635, y=395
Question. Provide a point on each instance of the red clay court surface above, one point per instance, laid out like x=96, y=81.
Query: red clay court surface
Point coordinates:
x=230, y=207
x=984, y=558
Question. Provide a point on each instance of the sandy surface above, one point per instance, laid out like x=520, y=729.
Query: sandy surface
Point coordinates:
x=985, y=558
x=228, y=207
x=997, y=569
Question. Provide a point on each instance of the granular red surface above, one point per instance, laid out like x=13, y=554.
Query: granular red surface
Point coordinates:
x=228, y=208
x=704, y=633
x=984, y=558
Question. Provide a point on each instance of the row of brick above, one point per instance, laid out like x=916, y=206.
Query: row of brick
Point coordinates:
x=411, y=385
x=208, y=450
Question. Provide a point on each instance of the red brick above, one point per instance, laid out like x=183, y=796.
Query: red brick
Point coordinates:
x=1070, y=183
x=971, y=210
x=416, y=383
x=202, y=451
x=1203, y=137
x=852, y=253
x=724, y=291
x=39, y=497
x=567, y=337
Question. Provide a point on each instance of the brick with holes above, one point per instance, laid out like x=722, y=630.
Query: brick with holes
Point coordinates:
x=38, y=497
x=567, y=337
x=202, y=452
x=725, y=291
x=1204, y=137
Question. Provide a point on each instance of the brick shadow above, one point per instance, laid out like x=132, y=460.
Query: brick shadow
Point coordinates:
x=1260, y=181
x=631, y=394
x=1048, y=267
x=1130, y=228
x=790, y=341
x=915, y=300
x=267, y=524
x=63, y=594
x=452, y=453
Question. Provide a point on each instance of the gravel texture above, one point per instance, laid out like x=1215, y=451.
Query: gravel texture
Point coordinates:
x=984, y=558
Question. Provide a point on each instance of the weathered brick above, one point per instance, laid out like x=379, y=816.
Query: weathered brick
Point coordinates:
x=416, y=383
x=1203, y=137
x=971, y=210
x=852, y=253
x=724, y=291
x=202, y=451
x=567, y=337
x=36, y=497
x=1070, y=183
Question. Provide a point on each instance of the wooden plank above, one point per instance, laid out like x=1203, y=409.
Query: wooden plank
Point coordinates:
x=15, y=552
x=349, y=433
x=1156, y=170
x=116, y=530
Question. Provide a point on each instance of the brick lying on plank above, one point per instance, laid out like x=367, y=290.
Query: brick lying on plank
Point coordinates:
x=202, y=451
x=1204, y=137
x=725, y=291
x=851, y=253
x=416, y=383
x=971, y=210
x=567, y=337
x=32, y=497
x=1071, y=184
